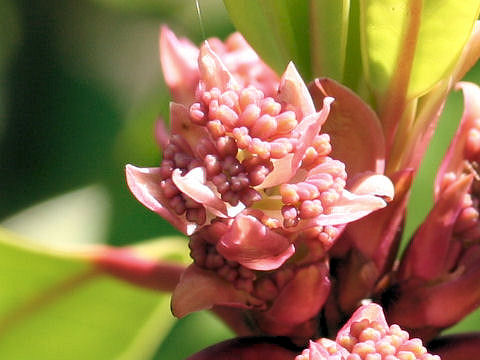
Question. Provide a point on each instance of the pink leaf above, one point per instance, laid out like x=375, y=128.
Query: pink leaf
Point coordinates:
x=254, y=245
x=202, y=289
x=355, y=131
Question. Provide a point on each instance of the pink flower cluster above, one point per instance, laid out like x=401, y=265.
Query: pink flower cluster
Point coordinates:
x=281, y=189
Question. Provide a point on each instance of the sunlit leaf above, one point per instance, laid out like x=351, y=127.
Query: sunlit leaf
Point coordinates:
x=277, y=29
x=56, y=305
x=410, y=45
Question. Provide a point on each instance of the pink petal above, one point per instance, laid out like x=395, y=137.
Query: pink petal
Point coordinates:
x=252, y=348
x=293, y=91
x=381, y=228
x=179, y=64
x=350, y=207
x=194, y=185
x=301, y=298
x=254, y=245
x=281, y=173
x=144, y=183
x=373, y=184
x=371, y=312
x=306, y=131
x=201, y=289
x=355, y=131
x=435, y=235
x=213, y=72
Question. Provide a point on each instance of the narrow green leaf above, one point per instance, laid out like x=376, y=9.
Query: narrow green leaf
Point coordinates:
x=277, y=29
x=329, y=31
x=55, y=305
x=382, y=26
x=410, y=44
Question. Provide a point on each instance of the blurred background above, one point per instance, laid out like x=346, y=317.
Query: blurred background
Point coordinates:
x=80, y=90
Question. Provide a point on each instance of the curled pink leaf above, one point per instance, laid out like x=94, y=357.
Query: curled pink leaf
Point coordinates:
x=300, y=300
x=355, y=131
x=201, y=289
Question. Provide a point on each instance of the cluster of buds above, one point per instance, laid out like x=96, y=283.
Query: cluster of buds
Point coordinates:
x=246, y=173
x=281, y=189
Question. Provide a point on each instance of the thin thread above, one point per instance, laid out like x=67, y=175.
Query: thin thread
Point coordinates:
x=200, y=19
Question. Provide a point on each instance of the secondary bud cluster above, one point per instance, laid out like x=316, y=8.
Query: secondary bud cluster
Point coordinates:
x=249, y=132
x=370, y=340
x=367, y=336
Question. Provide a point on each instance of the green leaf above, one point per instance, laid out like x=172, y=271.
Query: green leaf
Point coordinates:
x=55, y=305
x=277, y=29
x=409, y=45
x=329, y=31
x=444, y=31
x=84, y=218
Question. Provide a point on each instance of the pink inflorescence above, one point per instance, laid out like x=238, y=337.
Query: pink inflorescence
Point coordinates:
x=368, y=339
x=248, y=132
x=467, y=225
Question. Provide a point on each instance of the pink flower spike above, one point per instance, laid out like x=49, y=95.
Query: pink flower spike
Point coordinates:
x=193, y=184
x=434, y=237
x=254, y=245
x=200, y=289
x=213, y=72
x=144, y=185
x=179, y=64
x=458, y=150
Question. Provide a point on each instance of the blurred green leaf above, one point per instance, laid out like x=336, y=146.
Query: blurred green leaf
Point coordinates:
x=277, y=29
x=55, y=305
x=413, y=42
x=77, y=217
x=329, y=31
x=175, y=346
x=149, y=7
